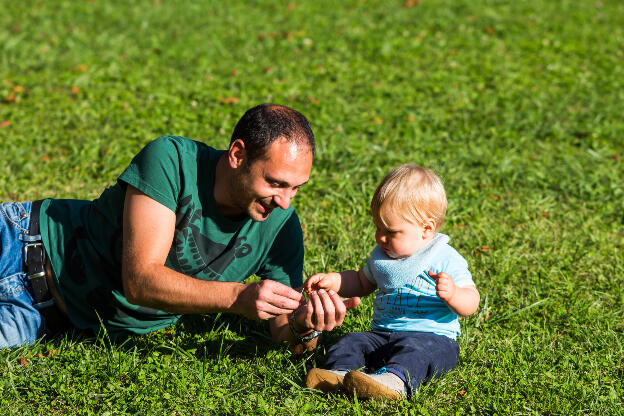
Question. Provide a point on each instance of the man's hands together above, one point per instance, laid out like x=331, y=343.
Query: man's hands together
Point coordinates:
x=267, y=299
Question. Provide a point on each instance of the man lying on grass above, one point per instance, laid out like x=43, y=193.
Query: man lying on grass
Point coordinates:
x=422, y=284
x=177, y=233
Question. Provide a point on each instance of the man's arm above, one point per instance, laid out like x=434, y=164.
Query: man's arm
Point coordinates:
x=148, y=231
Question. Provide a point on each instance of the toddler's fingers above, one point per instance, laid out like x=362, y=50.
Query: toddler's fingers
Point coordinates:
x=310, y=282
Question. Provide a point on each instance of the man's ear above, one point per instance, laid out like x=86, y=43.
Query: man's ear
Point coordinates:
x=237, y=154
x=429, y=228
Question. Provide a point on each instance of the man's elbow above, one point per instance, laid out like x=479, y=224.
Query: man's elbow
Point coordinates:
x=131, y=288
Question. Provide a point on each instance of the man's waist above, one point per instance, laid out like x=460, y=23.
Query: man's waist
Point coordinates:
x=41, y=278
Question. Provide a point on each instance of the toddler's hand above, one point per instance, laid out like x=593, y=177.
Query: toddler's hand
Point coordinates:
x=327, y=281
x=445, y=286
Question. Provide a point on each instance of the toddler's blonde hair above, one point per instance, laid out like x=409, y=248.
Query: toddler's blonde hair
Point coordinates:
x=412, y=192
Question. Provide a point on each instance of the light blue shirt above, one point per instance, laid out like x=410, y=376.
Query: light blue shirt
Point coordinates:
x=406, y=298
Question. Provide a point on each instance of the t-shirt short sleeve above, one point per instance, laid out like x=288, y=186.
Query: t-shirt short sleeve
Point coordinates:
x=457, y=268
x=368, y=272
x=150, y=171
x=284, y=262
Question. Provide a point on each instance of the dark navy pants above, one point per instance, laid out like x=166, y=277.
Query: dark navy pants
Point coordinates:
x=416, y=357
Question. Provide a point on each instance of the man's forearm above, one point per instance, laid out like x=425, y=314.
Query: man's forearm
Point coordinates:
x=160, y=287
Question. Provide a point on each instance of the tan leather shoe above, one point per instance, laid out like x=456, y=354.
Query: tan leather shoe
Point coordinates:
x=366, y=386
x=325, y=380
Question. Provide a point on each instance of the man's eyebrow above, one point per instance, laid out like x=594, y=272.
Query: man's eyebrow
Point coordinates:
x=281, y=183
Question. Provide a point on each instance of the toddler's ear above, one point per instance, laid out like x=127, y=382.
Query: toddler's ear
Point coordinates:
x=429, y=228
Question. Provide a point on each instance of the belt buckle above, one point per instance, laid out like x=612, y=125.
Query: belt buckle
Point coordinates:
x=34, y=244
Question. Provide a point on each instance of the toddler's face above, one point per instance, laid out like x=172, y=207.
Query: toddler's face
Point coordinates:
x=400, y=238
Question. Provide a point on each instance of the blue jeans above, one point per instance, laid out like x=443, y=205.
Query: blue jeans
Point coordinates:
x=415, y=357
x=20, y=321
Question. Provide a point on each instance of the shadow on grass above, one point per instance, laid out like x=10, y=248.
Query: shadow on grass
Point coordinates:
x=200, y=336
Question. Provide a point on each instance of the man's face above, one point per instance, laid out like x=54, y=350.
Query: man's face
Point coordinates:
x=273, y=180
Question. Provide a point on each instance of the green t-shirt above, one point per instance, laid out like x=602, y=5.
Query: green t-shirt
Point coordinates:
x=84, y=238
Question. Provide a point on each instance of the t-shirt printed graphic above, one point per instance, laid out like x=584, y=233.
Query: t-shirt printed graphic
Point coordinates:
x=205, y=258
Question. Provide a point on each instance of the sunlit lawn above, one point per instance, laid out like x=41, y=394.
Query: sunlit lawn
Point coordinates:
x=517, y=105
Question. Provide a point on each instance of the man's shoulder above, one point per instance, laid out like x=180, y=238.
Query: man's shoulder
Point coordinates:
x=171, y=141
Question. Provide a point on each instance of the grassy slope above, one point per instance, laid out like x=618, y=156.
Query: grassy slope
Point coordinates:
x=517, y=105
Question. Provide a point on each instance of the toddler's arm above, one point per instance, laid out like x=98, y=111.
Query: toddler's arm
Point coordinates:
x=347, y=284
x=463, y=301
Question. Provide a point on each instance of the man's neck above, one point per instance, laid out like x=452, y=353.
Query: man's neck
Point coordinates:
x=222, y=190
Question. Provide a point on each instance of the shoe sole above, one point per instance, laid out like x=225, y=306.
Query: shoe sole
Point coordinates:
x=367, y=388
x=323, y=380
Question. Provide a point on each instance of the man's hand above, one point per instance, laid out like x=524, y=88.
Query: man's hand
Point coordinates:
x=445, y=286
x=266, y=299
x=326, y=281
x=324, y=311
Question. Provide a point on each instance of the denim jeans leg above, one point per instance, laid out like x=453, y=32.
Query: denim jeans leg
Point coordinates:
x=352, y=351
x=417, y=357
x=20, y=322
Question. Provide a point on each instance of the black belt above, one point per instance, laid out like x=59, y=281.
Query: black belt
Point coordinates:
x=34, y=258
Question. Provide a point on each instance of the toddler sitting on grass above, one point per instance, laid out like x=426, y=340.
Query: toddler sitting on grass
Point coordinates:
x=422, y=284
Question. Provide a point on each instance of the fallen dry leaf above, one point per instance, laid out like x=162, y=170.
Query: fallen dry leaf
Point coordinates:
x=75, y=90
x=411, y=3
x=23, y=361
x=490, y=30
x=18, y=88
x=81, y=68
x=462, y=393
x=10, y=98
x=482, y=250
x=313, y=100
x=228, y=100
x=5, y=123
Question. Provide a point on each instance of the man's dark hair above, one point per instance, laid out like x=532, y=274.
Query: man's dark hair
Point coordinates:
x=263, y=124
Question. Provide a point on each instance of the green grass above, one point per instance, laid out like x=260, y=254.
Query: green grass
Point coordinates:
x=517, y=105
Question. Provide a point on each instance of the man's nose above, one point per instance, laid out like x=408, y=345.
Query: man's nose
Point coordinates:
x=283, y=198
